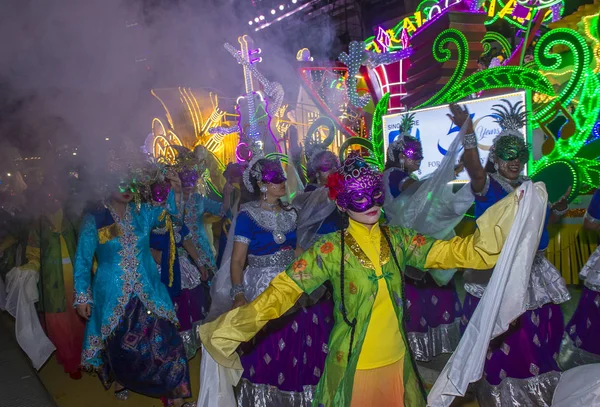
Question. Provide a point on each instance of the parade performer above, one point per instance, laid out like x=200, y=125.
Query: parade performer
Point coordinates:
x=131, y=337
x=369, y=360
x=50, y=252
x=172, y=249
x=521, y=366
x=435, y=324
x=317, y=214
x=285, y=362
x=196, y=205
x=233, y=176
x=580, y=343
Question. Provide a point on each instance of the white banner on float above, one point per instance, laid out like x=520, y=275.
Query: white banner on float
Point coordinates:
x=436, y=131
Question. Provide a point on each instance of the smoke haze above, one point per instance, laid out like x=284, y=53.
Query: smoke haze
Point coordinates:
x=75, y=72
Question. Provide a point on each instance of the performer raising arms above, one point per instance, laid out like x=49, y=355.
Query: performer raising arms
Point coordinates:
x=368, y=362
x=521, y=365
x=435, y=324
x=131, y=337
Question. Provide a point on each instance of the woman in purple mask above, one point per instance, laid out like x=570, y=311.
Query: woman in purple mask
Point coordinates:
x=317, y=214
x=197, y=205
x=181, y=270
x=435, y=324
x=284, y=362
x=369, y=361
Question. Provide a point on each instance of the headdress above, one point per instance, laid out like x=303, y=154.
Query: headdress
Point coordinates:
x=318, y=158
x=405, y=143
x=355, y=181
x=189, y=165
x=509, y=144
x=264, y=170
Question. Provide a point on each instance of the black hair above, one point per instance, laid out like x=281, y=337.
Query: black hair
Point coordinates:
x=352, y=324
x=395, y=159
x=405, y=311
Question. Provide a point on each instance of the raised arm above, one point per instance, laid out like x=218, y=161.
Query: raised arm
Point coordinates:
x=471, y=159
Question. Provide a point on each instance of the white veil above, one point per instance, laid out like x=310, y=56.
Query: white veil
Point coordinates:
x=313, y=208
x=430, y=206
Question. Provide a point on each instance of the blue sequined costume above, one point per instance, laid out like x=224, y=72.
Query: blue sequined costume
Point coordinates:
x=195, y=208
x=126, y=286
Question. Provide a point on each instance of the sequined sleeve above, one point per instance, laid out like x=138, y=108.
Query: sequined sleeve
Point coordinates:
x=214, y=207
x=593, y=211
x=84, y=258
x=243, y=228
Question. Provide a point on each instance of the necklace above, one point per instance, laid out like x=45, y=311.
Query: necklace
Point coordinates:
x=271, y=206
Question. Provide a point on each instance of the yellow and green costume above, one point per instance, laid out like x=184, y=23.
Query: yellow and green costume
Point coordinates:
x=363, y=279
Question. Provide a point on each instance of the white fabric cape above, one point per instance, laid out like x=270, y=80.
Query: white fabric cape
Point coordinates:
x=578, y=387
x=503, y=301
x=22, y=294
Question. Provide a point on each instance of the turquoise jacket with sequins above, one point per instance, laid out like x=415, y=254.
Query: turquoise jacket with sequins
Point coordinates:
x=125, y=270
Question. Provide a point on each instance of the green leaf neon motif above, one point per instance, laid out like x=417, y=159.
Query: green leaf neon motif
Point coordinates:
x=442, y=54
x=377, y=130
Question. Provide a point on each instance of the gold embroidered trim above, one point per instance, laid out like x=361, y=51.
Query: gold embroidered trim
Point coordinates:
x=384, y=253
x=108, y=233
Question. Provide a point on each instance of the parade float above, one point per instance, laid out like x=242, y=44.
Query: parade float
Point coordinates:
x=448, y=51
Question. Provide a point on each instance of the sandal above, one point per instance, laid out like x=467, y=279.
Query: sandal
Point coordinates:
x=122, y=394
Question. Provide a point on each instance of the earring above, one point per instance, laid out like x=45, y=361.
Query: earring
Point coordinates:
x=263, y=189
x=402, y=164
x=496, y=166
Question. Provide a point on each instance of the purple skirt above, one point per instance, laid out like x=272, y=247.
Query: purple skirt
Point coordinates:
x=435, y=318
x=191, y=306
x=521, y=364
x=145, y=354
x=581, y=344
x=284, y=362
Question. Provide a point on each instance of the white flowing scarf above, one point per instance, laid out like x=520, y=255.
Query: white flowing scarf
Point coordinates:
x=21, y=296
x=504, y=299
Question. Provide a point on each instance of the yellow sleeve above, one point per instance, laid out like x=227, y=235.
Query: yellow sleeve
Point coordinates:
x=480, y=250
x=222, y=337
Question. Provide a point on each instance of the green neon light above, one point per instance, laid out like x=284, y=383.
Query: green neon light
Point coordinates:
x=493, y=36
x=548, y=61
x=442, y=54
x=377, y=130
x=500, y=77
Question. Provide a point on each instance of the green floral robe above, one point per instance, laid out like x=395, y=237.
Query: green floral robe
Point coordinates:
x=322, y=262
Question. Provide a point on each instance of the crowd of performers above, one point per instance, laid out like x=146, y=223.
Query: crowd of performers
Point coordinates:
x=326, y=293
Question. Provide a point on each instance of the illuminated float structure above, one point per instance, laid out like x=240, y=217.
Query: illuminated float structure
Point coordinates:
x=554, y=61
